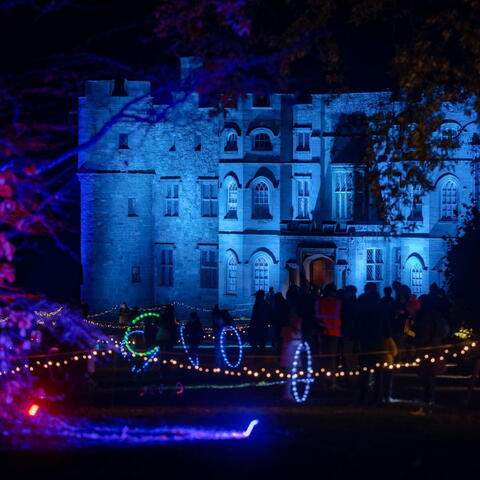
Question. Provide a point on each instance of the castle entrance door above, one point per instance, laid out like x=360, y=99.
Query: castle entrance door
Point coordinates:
x=321, y=272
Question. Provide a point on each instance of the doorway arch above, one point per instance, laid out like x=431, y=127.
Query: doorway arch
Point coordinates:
x=319, y=270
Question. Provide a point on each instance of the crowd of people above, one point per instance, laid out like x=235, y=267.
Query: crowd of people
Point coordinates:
x=355, y=331
x=341, y=327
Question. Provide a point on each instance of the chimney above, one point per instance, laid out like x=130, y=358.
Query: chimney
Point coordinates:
x=188, y=65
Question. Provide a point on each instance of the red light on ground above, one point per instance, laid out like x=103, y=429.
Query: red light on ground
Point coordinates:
x=33, y=409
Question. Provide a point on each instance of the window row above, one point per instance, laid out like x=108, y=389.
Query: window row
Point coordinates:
x=263, y=142
x=209, y=271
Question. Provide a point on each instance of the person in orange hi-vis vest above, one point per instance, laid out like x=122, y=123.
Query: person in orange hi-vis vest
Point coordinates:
x=328, y=309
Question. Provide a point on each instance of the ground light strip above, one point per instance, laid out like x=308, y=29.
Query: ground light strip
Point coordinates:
x=222, y=346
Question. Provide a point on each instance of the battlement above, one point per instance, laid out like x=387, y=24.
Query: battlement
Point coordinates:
x=102, y=89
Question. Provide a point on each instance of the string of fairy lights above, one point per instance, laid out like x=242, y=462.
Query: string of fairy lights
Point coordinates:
x=297, y=374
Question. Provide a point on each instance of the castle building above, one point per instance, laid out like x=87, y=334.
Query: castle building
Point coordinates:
x=207, y=209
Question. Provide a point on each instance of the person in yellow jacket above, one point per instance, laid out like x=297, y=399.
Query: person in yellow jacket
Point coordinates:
x=391, y=351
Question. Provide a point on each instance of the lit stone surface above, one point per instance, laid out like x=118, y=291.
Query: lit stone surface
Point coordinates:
x=131, y=188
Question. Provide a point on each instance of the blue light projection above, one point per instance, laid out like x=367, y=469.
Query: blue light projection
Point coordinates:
x=223, y=350
x=84, y=433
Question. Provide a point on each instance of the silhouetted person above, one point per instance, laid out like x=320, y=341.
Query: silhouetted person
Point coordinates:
x=280, y=318
x=258, y=329
x=292, y=295
x=193, y=332
x=430, y=329
x=135, y=312
x=123, y=314
x=305, y=307
x=328, y=319
x=216, y=318
x=150, y=330
x=349, y=328
x=168, y=319
x=291, y=335
x=270, y=296
x=372, y=339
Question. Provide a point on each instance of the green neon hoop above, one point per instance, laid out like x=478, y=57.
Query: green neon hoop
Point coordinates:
x=126, y=337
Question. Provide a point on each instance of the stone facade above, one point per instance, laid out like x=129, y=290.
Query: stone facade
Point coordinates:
x=205, y=210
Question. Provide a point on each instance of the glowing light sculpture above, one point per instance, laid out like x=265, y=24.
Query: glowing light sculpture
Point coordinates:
x=222, y=346
x=128, y=351
x=308, y=380
x=195, y=362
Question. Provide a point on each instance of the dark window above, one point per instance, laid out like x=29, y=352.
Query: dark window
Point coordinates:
x=136, y=275
x=208, y=269
x=261, y=100
x=209, y=200
x=171, y=200
x=197, y=141
x=261, y=201
x=165, y=267
x=123, y=140
x=232, y=144
x=262, y=141
x=132, y=207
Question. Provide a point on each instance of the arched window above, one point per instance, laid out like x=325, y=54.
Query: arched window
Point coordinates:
x=260, y=274
x=416, y=278
x=261, y=141
x=449, y=201
x=232, y=267
x=232, y=198
x=261, y=207
x=231, y=144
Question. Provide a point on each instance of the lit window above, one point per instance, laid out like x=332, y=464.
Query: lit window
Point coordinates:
x=232, y=267
x=303, y=198
x=232, y=199
x=165, y=267
x=416, y=199
x=261, y=207
x=231, y=144
x=260, y=274
x=209, y=200
x=374, y=265
x=132, y=207
x=123, y=140
x=171, y=200
x=262, y=142
x=449, y=201
x=343, y=195
x=303, y=142
x=416, y=278
x=397, y=264
x=208, y=269
x=136, y=275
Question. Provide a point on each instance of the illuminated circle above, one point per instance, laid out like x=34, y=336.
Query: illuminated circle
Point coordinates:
x=222, y=346
x=304, y=346
x=195, y=362
x=126, y=346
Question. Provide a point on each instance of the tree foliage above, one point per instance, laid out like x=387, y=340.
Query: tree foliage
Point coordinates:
x=462, y=267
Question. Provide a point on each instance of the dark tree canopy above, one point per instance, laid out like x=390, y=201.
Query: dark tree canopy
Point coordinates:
x=462, y=267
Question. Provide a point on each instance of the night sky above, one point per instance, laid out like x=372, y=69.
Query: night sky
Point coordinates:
x=36, y=41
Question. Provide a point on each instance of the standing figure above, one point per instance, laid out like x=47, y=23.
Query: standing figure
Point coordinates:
x=124, y=314
x=328, y=320
x=258, y=330
x=194, y=333
x=291, y=335
x=372, y=340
